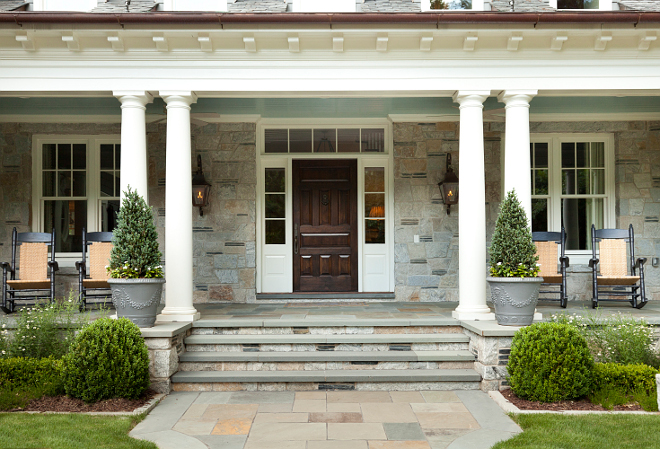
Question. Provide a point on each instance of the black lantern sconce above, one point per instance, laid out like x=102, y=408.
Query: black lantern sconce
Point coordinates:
x=449, y=186
x=200, y=188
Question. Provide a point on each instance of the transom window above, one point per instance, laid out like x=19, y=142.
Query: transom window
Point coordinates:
x=578, y=4
x=324, y=140
x=572, y=185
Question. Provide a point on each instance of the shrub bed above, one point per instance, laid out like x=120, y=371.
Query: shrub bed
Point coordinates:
x=22, y=380
x=627, y=378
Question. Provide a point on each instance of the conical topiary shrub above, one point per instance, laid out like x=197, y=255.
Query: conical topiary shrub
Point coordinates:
x=512, y=251
x=135, y=251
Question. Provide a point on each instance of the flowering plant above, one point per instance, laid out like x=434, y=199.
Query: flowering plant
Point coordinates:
x=135, y=251
x=512, y=252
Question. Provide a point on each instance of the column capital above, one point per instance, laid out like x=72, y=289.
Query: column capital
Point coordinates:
x=133, y=98
x=178, y=98
x=471, y=98
x=517, y=98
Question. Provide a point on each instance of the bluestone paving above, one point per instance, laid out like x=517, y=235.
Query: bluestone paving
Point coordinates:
x=327, y=420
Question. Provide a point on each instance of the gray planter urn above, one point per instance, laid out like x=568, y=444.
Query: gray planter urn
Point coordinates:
x=514, y=299
x=137, y=299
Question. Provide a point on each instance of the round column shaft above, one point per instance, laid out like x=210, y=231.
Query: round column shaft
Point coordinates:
x=178, y=210
x=472, y=209
x=517, y=162
x=133, y=164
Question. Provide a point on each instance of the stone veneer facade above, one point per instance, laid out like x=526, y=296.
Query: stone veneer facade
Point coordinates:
x=224, y=237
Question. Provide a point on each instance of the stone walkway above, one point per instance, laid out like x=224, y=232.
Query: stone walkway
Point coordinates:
x=327, y=420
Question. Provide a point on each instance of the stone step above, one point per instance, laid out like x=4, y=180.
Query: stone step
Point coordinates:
x=319, y=366
x=329, y=356
x=326, y=330
x=208, y=378
x=324, y=321
x=299, y=339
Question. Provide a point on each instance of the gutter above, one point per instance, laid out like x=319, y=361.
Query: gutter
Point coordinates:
x=437, y=19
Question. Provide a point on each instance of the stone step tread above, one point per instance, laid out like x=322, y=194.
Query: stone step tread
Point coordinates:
x=319, y=321
x=436, y=375
x=336, y=338
x=329, y=356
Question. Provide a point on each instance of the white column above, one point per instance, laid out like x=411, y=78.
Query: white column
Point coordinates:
x=472, y=209
x=178, y=210
x=134, y=141
x=517, y=163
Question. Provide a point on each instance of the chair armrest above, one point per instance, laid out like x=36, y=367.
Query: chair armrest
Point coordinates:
x=54, y=265
x=80, y=265
x=640, y=262
x=564, y=261
x=593, y=262
x=5, y=265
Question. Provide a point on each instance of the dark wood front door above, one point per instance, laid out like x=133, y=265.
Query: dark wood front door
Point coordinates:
x=325, y=225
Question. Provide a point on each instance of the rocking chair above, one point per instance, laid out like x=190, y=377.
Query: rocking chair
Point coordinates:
x=95, y=283
x=615, y=279
x=550, y=247
x=36, y=270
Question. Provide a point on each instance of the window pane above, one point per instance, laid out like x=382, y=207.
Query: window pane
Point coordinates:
x=374, y=231
x=373, y=140
x=109, y=210
x=79, y=156
x=578, y=214
x=568, y=154
x=598, y=181
x=374, y=205
x=541, y=155
x=275, y=232
x=68, y=218
x=107, y=183
x=374, y=179
x=598, y=154
x=107, y=157
x=79, y=186
x=117, y=184
x=583, y=181
x=64, y=156
x=539, y=215
x=274, y=206
x=48, y=156
x=274, y=180
x=582, y=150
x=276, y=140
x=117, y=156
x=540, y=182
x=348, y=140
x=49, y=183
x=325, y=140
x=64, y=184
x=568, y=182
x=300, y=140
x=452, y=4
x=578, y=4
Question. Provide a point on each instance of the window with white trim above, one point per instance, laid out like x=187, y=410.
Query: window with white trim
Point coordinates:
x=75, y=185
x=572, y=185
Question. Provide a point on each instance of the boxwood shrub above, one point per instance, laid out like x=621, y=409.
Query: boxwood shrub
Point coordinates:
x=627, y=378
x=108, y=359
x=550, y=362
x=27, y=374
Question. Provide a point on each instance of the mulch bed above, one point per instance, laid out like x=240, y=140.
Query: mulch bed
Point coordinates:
x=582, y=404
x=68, y=404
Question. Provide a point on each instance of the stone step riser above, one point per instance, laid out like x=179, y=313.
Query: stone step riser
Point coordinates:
x=313, y=386
x=321, y=330
x=285, y=347
x=315, y=366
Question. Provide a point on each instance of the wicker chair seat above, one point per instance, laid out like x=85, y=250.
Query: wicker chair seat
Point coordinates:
x=28, y=284
x=618, y=280
x=96, y=283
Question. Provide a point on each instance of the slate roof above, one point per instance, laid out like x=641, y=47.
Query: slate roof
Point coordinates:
x=120, y=6
x=391, y=6
x=11, y=5
x=523, y=6
x=257, y=6
x=640, y=5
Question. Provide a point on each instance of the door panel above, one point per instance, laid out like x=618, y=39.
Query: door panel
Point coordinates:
x=325, y=225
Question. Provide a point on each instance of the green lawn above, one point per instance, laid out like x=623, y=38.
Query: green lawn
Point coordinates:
x=549, y=431
x=70, y=431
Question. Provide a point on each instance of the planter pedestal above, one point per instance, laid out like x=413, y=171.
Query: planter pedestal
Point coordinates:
x=137, y=299
x=514, y=299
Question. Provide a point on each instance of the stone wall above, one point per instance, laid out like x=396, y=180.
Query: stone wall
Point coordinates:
x=428, y=270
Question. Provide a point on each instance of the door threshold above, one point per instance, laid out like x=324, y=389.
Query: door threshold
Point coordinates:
x=304, y=296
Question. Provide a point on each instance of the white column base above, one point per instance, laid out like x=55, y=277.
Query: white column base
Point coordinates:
x=472, y=315
x=181, y=314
